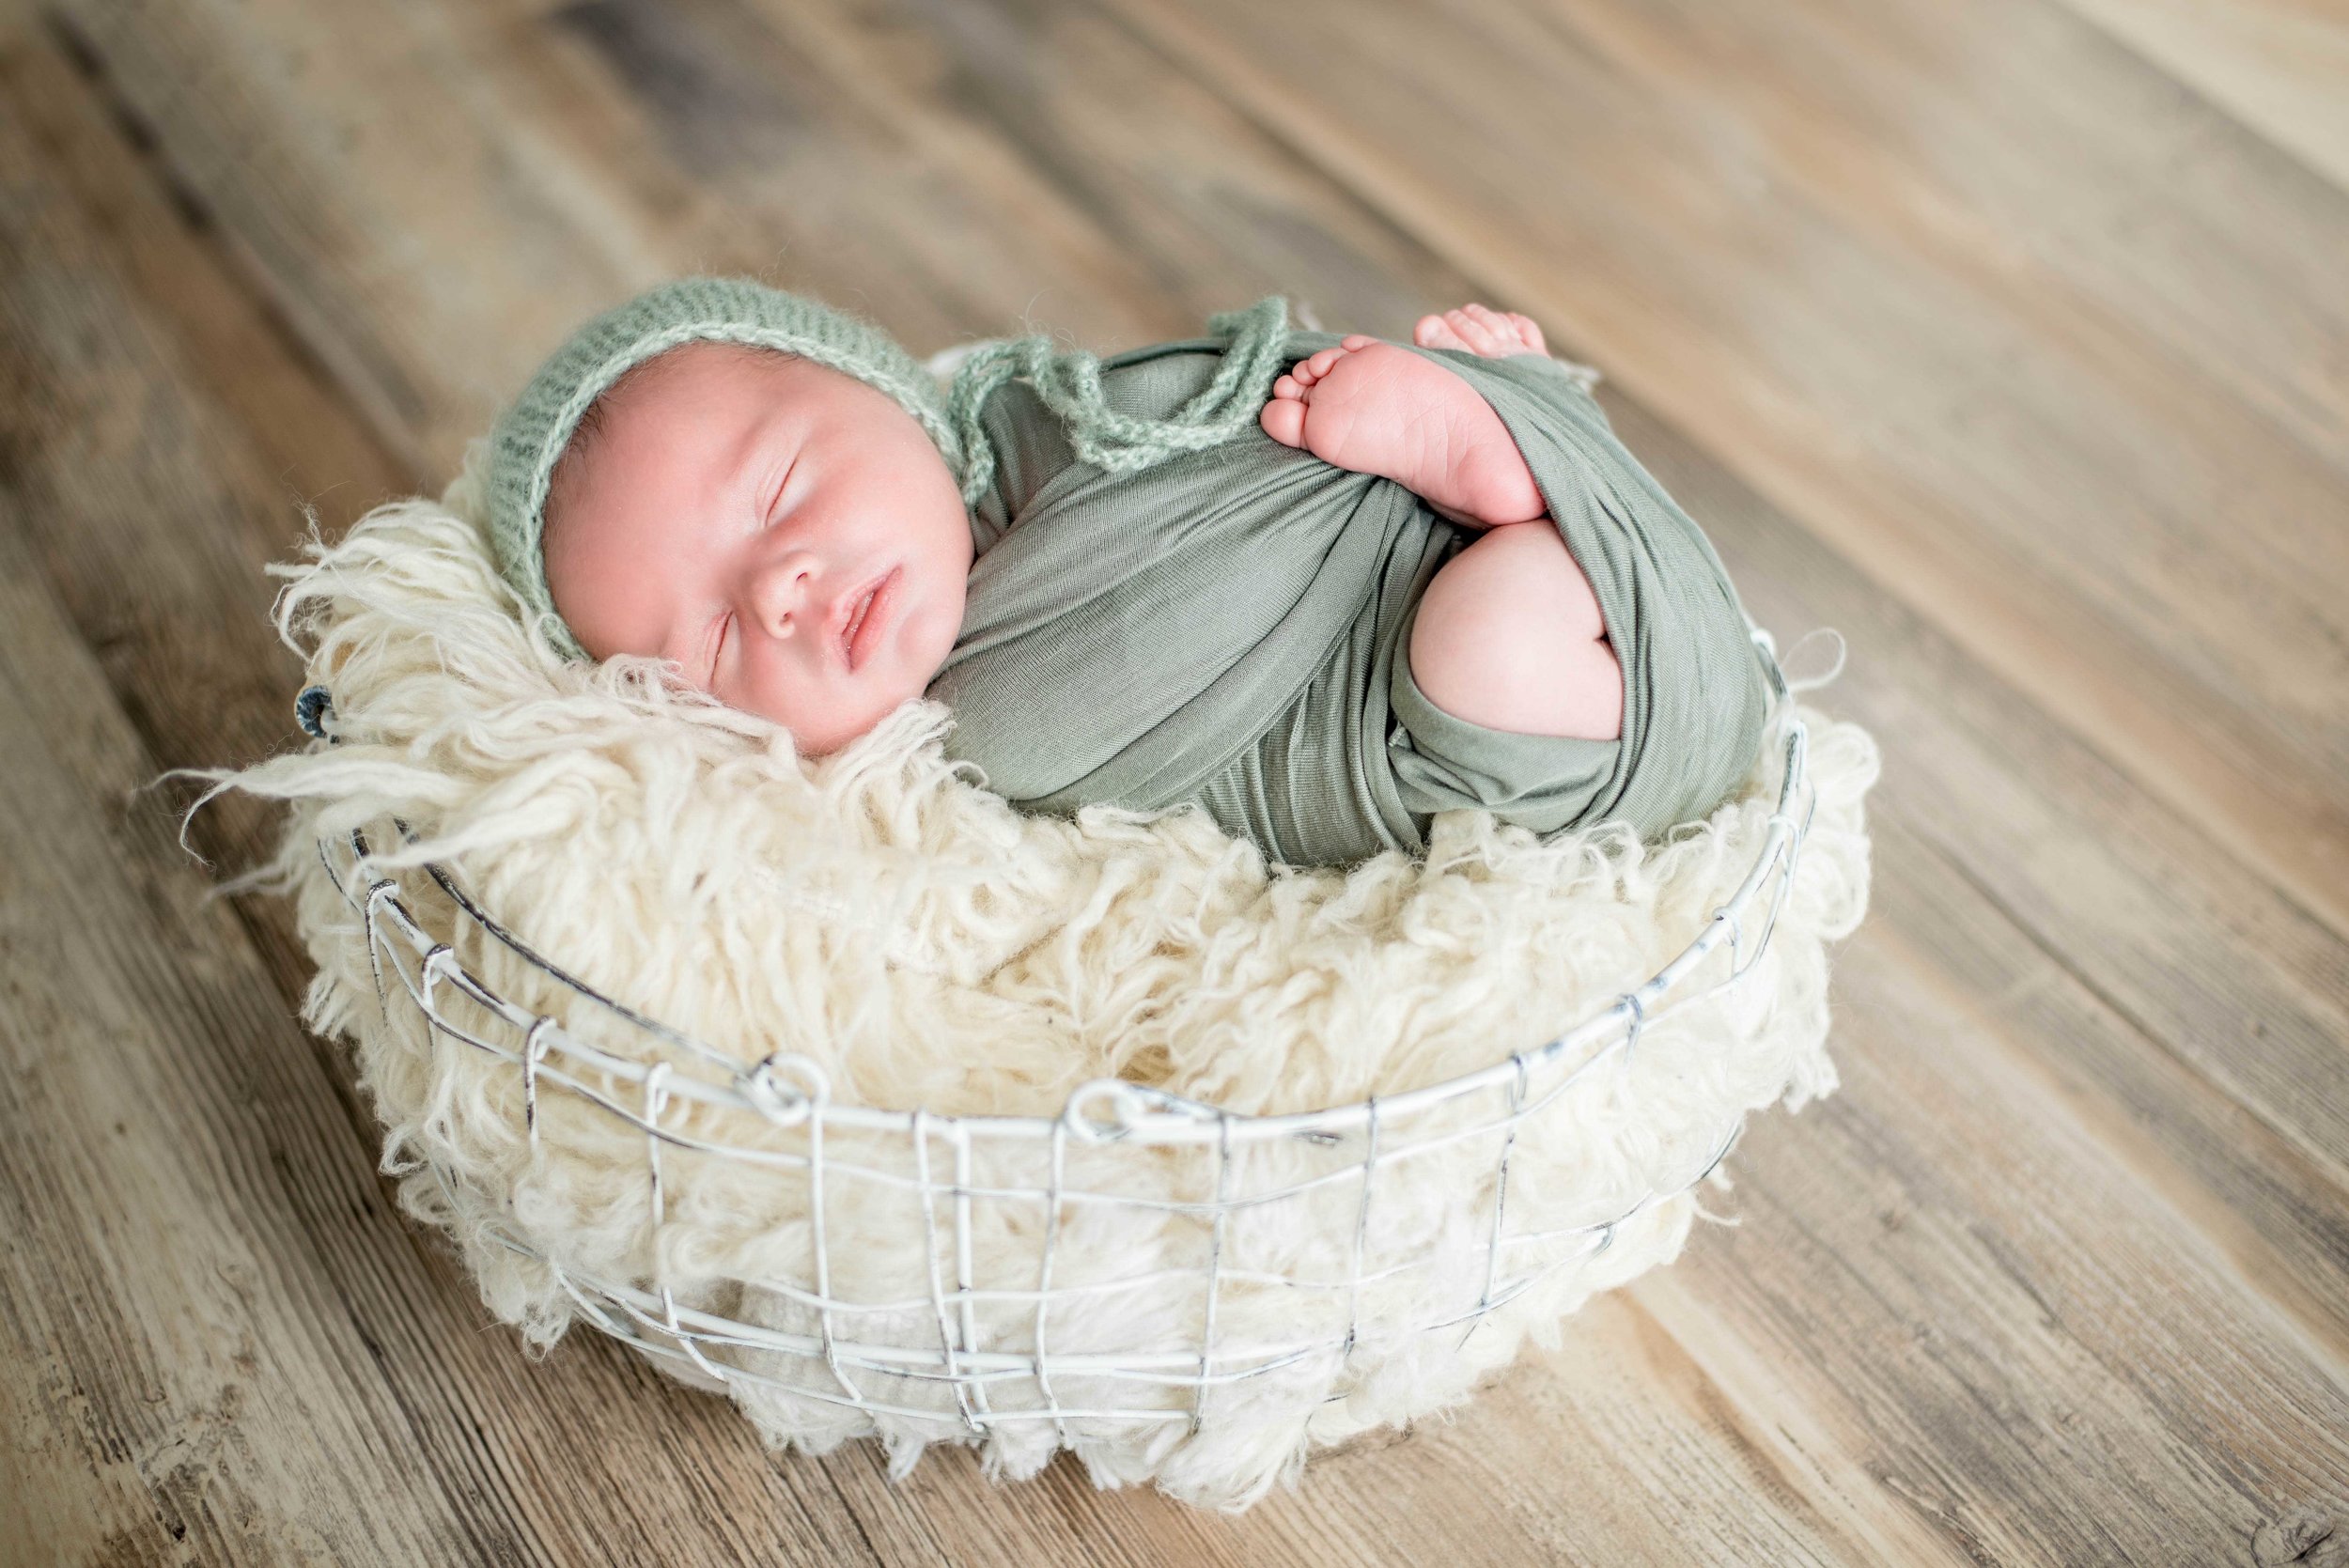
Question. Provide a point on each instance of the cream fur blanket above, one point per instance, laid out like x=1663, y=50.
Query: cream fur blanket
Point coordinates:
x=884, y=917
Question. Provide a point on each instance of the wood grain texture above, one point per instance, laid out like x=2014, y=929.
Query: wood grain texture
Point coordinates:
x=2053, y=353
x=2276, y=65
x=1968, y=333
x=162, y=1265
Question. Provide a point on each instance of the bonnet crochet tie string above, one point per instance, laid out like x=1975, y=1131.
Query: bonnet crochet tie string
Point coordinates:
x=1069, y=384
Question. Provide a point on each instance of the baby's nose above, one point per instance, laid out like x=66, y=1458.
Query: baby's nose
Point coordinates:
x=783, y=596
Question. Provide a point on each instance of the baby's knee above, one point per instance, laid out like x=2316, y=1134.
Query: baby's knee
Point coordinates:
x=1509, y=636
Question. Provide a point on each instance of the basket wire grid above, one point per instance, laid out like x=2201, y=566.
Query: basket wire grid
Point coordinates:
x=789, y=1093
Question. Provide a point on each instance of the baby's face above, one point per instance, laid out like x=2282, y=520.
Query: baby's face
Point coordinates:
x=786, y=534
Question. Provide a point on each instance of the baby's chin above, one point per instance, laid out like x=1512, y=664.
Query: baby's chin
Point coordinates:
x=820, y=734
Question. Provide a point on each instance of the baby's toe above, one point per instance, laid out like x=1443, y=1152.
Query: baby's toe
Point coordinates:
x=1528, y=329
x=1474, y=334
x=1283, y=420
x=1434, y=331
x=1500, y=334
x=1289, y=387
x=1324, y=360
x=1356, y=342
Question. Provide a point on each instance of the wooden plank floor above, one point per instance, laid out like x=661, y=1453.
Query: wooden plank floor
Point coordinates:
x=2009, y=338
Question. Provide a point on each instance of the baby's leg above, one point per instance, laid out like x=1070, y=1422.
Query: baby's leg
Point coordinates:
x=1509, y=635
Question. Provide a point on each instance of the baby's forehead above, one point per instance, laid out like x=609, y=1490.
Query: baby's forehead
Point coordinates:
x=688, y=365
x=682, y=385
x=667, y=383
x=714, y=358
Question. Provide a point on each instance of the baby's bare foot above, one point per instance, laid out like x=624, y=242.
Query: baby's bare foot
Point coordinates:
x=1475, y=329
x=1374, y=408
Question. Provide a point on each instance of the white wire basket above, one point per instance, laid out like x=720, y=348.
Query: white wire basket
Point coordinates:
x=964, y=1277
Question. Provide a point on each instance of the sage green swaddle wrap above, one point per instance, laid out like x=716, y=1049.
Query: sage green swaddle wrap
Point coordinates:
x=1231, y=625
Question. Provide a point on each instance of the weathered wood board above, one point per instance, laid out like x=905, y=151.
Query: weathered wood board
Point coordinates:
x=2008, y=340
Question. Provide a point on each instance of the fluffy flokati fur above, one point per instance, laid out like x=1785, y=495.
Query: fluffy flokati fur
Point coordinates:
x=880, y=913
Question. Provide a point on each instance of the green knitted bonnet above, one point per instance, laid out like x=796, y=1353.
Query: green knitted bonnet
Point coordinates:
x=531, y=434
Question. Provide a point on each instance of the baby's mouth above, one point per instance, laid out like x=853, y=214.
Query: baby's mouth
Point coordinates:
x=859, y=614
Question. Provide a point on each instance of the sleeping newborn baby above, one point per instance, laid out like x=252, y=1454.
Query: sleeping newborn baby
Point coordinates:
x=1321, y=587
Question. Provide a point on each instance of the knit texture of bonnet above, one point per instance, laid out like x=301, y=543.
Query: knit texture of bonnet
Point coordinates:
x=529, y=437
